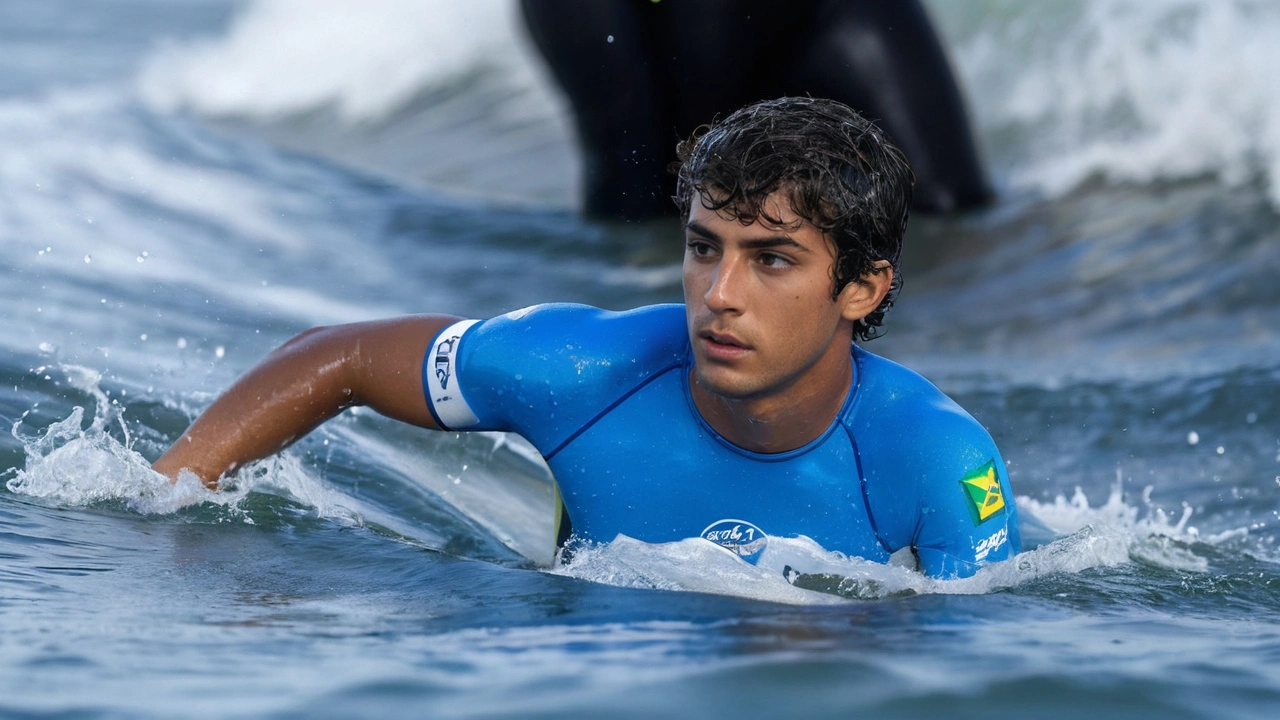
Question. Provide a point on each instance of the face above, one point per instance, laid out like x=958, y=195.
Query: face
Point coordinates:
x=758, y=300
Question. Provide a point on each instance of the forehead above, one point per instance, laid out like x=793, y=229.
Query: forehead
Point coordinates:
x=774, y=216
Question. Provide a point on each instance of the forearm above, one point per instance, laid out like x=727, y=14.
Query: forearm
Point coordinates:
x=308, y=380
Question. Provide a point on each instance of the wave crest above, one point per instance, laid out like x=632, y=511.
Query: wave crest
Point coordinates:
x=1129, y=90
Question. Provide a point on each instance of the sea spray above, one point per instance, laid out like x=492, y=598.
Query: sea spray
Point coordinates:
x=1082, y=537
x=72, y=465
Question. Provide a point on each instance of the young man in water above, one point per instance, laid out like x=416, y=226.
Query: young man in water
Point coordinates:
x=745, y=413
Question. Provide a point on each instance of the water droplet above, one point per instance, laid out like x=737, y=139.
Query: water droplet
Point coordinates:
x=609, y=39
x=1251, y=418
x=182, y=343
x=1193, y=437
x=219, y=351
x=143, y=337
x=1221, y=450
x=88, y=259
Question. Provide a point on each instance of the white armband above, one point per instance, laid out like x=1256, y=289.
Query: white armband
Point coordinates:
x=440, y=378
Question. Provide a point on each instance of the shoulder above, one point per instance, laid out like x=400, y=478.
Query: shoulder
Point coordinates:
x=892, y=394
x=544, y=370
x=899, y=414
x=571, y=317
x=936, y=479
x=585, y=337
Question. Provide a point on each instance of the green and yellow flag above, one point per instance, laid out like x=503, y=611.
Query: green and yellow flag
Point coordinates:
x=982, y=490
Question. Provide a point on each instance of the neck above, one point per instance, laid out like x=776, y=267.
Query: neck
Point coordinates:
x=779, y=421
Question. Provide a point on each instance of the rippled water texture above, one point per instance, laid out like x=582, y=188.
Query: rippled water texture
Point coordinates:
x=185, y=185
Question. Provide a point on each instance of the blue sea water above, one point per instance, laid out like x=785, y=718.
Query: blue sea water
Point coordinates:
x=185, y=185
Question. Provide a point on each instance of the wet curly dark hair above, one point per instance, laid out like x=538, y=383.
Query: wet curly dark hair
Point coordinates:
x=840, y=172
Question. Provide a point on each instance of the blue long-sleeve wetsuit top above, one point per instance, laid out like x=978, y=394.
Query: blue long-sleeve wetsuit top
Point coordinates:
x=605, y=398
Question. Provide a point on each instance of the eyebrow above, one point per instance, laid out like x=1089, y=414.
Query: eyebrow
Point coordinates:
x=771, y=241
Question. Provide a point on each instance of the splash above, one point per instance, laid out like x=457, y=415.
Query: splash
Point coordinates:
x=72, y=465
x=692, y=565
x=76, y=466
x=1116, y=532
x=1080, y=537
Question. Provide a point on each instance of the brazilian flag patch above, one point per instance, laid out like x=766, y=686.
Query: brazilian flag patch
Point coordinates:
x=982, y=492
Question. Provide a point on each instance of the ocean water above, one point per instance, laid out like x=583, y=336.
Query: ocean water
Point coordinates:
x=185, y=185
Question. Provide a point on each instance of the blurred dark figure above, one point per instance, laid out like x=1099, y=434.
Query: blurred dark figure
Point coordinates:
x=643, y=74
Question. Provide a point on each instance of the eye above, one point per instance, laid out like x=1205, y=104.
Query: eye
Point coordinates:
x=699, y=248
x=773, y=260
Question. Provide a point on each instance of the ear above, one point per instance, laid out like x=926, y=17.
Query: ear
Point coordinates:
x=861, y=297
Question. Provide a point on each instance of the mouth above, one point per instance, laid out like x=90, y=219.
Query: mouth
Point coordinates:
x=722, y=346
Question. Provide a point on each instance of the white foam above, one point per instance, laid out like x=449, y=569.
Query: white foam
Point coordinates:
x=363, y=59
x=693, y=565
x=1147, y=533
x=1112, y=534
x=1131, y=90
x=76, y=466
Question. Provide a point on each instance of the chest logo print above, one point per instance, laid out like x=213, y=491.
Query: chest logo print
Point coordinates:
x=982, y=492
x=738, y=537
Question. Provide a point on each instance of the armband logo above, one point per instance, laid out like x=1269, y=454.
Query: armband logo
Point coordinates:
x=738, y=537
x=982, y=492
x=444, y=349
x=441, y=381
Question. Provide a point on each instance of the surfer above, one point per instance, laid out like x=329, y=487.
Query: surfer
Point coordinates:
x=640, y=74
x=745, y=413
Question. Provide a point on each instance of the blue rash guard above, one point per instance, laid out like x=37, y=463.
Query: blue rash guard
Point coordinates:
x=605, y=398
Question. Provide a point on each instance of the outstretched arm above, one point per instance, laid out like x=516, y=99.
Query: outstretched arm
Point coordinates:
x=306, y=381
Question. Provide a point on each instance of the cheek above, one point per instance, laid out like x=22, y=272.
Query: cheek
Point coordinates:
x=691, y=279
x=804, y=318
x=790, y=318
x=687, y=283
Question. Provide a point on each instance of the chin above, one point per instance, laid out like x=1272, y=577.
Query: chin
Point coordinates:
x=725, y=385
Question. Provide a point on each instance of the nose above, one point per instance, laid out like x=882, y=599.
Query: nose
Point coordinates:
x=724, y=294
